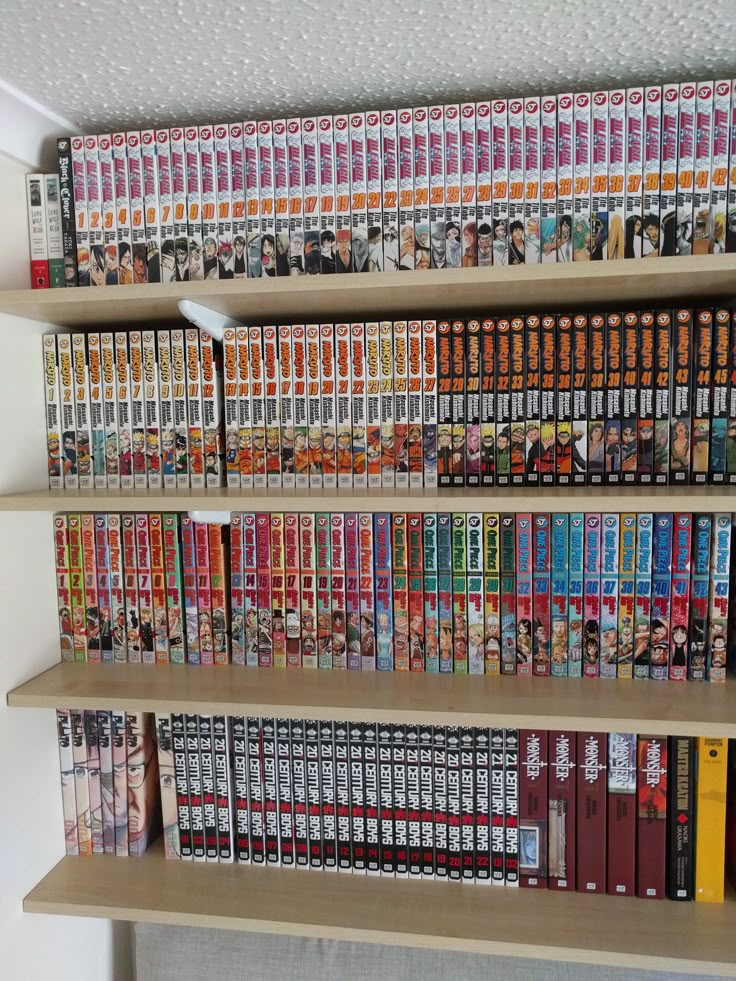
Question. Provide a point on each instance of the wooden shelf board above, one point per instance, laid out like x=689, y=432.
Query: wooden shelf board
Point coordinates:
x=392, y=294
x=634, y=933
x=566, y=499
x=657, y=708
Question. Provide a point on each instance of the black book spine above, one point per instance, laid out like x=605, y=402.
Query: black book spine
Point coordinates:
x=240, y=772
x=270, y=791
x=426, y=784
x=255, y=790
x=342, y=797
x=179, y=745
x=439, y=766
x=68, y=219
x=285, y=790
x=498, y=796
x=385, y=769
x=503, y=402
x=209, y=807
x=194, y=771
x=329, y=799
x=511, y=808
x=413, y=802
x=398, y=759
x=596, y=399
x=629, y=398
x=482, y=806
x=548, y=396
x=314, y=793
x=224, y=797
x=357, y=798
x=372, y=799
x=488, y=404
x=467, y=802
x=454, y=805
x=680, y=838
x=299, y=793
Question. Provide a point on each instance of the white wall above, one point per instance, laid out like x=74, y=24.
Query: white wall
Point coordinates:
x=32, y=947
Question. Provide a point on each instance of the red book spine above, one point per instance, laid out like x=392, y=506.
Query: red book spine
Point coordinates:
x=651, y=794
x=621, y=813
x=591, y=811
x=562, y=811
x=533, y=804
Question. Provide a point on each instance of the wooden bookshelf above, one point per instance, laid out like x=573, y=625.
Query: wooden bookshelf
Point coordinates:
x=432, y=292
x=597, y=704
x=567, y=499
x=637, y=934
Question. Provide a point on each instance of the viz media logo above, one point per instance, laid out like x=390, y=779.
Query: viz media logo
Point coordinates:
x=205, y=133
x=162, y=136
x=146, y=139
x=515, y=107
x=191, y=134
x=341, y=123
x=104, y=143
x=420, y=115
x=90, y=142
x=451, y=112
x=356, y=122
x=220, y=132
x=635, y=97
x=600, y=98
x=671, y=94
x=468, y=110
x=582, y=101
x=617, y=98
x=435, y=113
x=78, y=142
x=484, y=110
x=293, y=126
x=499, y=107
x=264, y=128
x=722, y=88
x=704, y=92
x=548, y=105
x=405, y=117
x=532, y=107
x=688, y=91
x=176, y=134
x=325, y=123
x=279, y=127
x=565, y=101
x=653, y=95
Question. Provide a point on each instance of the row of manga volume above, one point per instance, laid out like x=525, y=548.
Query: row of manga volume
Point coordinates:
x=637, y=397
x=568, y=595
x=109, y=786
x=133, y=410
x=587, y=812
x=626, y=173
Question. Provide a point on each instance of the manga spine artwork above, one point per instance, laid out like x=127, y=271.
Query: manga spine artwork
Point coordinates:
x=386, y=800
x=158, y=589
x=107, y=805
x=532, y=182
x=616, y=151
x=317, y=798
x=492, y=593
x=138, y=211
x=651, y=831
x=172, y=822
x=390, y=161
x=687, y=135
x=565, y=177
x=388, y=437
x=468, y=169
x=484, y=183
x=731, y=425
x=167, y=402
x=541, y=602
x=719, y=166
x=249, y=260
x=599, y=151
x=149, y=168
x=680, y=805
x=353, y=631
x=459, y=595
x=731, y=204
x=265, y=253
x=63, y=588
x=368, y=622
x=300, y=405
x=500, y=190
x=137, y=410
x=436, y=145
x=581, y=230
x=264, y=630
x=564, y=446
x=719, y=599
x=223, y=177
x=373, y=404
x=680, y=633
x=52, y=393
x=681, y=439
x=241, y=804
x=297, y=197
x=444, y=404
x=401, y=403
x=257, y=406
x=292, y=595
x=238, y=203
x=89, y=576
x=668, y=173
x=702, y=408
x=232, y=429
x=338, y=586
x=66, y=201
x=559, y=595
x=373, y=166
x=354, y=373
x=405, y=155
x=68, y=417
x=132, y=611
x=639, y=343
x=80, y=753
x=431, y=623
x=661, y=596
x=81, y=226
x=218, y=540
x=314, y=406
x=591, y=812
x=487, y=403
x=596, y=399
x=612, y=414
x=609, y=634
x=633, y=198
x=256, y=797
x=458, y=403
x=524, y=594
x=309, y=184
x=324, y=591
x=327, y=403
x=250, y=590
x=576, y=596
x=358, y=193
x=343, y=232
x=85, y=466
x=621, y=839
x=702, y=175
x=383, y=576
x=699, y=593
x=272, y=406
x=533, y=809
x=508, y=568
x=179, y=183
x=518, y=403
x=516, y=182
x=207, y=769
x=308, y=599
x=342, y=796
x=271, y=829
x=286, y=406
x=224, y=789
x=643, y=596
x=662, y=374
x=444, y=591
x=174, y=591
x=426, y=801
x=592, y=596
x=626, y=595
x=453, y=188
x=281, y=196
x=298, y=777
x=719, y=439
x=194, y=408
x=482, y=804
x=420, y=138
x=146, y=632
x=109, y=218
x=417, y=638
x=94, y=211
x=580, y=386
x=204, y=593
x=562, y=811
x=181, y=779
x=548, y=390
x=511, y=807
x=180, y=390
x=651, y=244
x=166, y=205
x=151, y=409
x=285, y=793
x=548, y=151
x=472, y=403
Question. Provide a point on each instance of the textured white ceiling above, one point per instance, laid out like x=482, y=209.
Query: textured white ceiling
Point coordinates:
x=106, y=64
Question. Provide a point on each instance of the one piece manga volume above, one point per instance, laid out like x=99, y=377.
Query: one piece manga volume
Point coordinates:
x=609, y=592
x=420, y=139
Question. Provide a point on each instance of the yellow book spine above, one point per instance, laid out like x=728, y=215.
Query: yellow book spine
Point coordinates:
x=710, y=835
